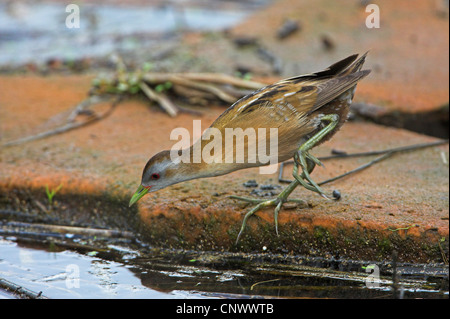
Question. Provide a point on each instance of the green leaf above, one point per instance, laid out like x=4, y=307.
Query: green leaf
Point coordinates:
x=147, y=66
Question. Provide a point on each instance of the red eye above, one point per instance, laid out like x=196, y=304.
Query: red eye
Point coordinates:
x=155, y=176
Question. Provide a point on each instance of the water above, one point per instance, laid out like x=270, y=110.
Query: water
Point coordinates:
x=69, y=274
x=122, y=272
x=37, y=32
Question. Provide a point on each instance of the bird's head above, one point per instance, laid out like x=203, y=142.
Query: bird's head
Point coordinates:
x=159, y=172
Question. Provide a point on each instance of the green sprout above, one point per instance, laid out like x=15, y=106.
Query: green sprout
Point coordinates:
x=52, y=193
x=244, y=75
x=368, y=267
x=163, y=87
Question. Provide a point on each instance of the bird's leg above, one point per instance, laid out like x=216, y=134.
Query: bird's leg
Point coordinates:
x=302, y=159
x=278, y=202
x=301, y=178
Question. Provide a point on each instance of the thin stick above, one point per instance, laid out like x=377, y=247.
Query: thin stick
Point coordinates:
x=85, y=104
x=394, y=150
x=263, y=282
x=59, y=130
x=358, y=169
x=162, y=100
x=224, y=79
x=52, y=238
x=193, y=84
x=385, y=154
x=84, y=231
x=205, y=77
x=208, y=88
x=65, y=128
x=19, y=290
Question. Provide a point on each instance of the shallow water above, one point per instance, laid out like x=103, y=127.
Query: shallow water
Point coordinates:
x=122, y=272
x=69, y=274
x=36, y=32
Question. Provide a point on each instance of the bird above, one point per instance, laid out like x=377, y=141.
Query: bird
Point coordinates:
x=307, y=110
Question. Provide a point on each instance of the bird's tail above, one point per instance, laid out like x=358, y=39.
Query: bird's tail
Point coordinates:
x=355, y=66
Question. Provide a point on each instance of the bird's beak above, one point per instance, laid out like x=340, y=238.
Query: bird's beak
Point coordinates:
x=140, y=192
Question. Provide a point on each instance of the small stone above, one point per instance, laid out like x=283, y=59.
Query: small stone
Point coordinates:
x=268, y=187
x=336, y=194
x=288, y=28
x=250, y=183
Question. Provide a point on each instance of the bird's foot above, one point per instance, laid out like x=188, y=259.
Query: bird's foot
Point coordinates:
x=262, y=203
x=307, y=162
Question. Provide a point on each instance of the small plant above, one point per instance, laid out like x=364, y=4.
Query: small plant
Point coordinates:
x=163, y=87
x=247, y=76
x=52, y=193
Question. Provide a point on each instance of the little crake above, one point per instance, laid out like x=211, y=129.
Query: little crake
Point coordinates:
x=307, y=110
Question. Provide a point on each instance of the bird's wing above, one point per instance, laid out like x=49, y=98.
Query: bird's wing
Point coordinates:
x=328, y=90
x=297, y=98
x=286, y=105
x=333, y=70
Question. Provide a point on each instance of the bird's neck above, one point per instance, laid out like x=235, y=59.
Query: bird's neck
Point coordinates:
x=189, y=165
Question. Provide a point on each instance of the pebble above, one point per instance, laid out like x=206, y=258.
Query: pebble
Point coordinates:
x=250, y=183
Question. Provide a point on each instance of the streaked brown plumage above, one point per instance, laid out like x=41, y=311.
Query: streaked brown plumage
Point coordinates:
x=295, y=106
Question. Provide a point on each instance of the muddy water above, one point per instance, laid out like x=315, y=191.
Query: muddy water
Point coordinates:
x=123, y=272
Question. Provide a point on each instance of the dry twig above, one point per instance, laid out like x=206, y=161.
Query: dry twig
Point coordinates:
x=161, y=99
x=70, y=125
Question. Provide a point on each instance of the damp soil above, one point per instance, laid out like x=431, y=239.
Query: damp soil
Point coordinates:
x=28, y=212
